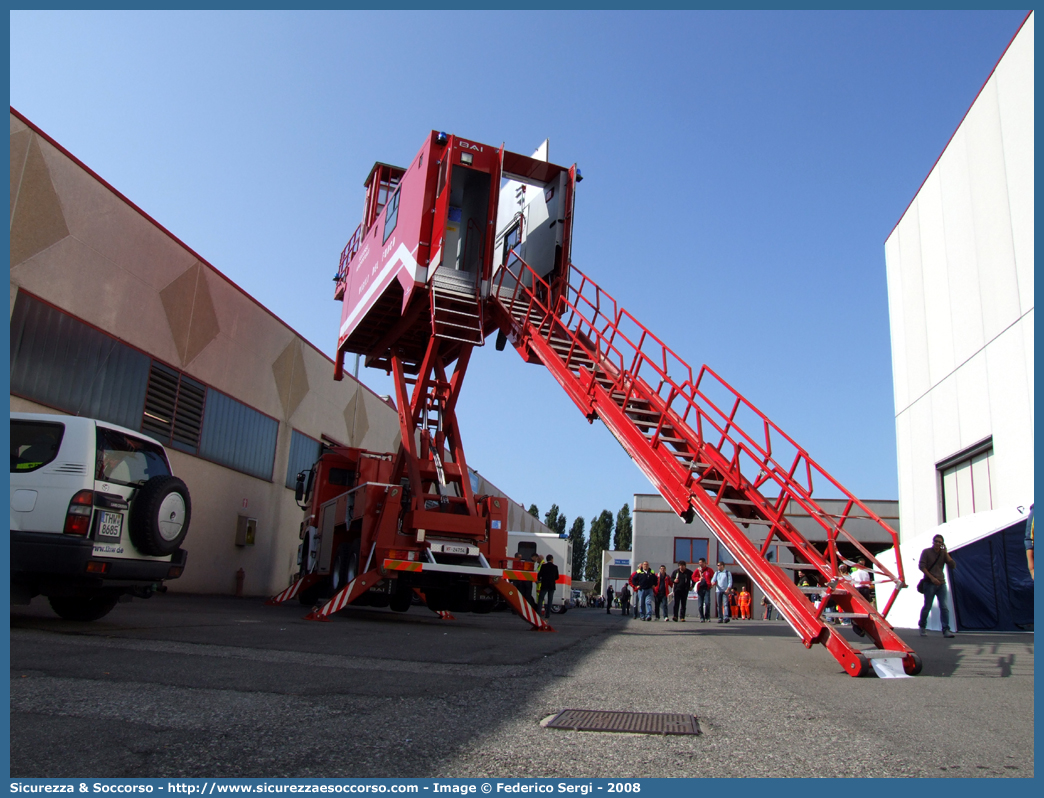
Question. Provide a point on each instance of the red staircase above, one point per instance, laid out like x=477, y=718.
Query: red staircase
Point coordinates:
x=708, y=451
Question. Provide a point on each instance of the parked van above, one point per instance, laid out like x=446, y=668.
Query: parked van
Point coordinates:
x=96, y=514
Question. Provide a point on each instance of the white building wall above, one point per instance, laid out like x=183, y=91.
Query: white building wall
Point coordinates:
x=960, y=291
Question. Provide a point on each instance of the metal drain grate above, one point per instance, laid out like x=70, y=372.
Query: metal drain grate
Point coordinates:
x=634, y=722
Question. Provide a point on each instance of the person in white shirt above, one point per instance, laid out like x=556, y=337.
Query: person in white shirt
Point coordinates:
x=723, y=581
x=863, y=580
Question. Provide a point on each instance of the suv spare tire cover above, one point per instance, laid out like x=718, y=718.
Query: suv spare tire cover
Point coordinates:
x=159, y=516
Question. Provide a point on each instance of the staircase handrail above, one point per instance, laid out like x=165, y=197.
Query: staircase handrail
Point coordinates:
x=606, y=337
x=347, y=254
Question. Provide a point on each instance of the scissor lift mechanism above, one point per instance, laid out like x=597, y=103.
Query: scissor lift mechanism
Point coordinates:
x=704, y=447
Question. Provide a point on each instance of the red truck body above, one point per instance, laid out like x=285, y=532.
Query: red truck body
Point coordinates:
x=472, y=239
x=414, y=280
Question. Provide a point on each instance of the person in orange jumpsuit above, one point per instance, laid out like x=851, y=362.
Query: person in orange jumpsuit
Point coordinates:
x=733, y=603
x=744, y=603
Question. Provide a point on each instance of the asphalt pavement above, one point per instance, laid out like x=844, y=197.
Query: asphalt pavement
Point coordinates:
x=197, y=686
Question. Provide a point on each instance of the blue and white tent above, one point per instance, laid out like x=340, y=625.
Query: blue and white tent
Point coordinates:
x=990, y=589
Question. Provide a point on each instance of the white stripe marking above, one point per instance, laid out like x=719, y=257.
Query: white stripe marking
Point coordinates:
x=401, y=254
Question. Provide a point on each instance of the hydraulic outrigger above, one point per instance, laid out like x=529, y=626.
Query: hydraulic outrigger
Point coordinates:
x=470, y=240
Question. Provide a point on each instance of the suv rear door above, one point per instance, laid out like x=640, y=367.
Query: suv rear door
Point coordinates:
x=123, y=464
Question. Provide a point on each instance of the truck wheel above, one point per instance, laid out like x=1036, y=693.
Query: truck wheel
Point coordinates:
x=310, y=595
x=83, y=609
x=345, y=566
x=401, y=600
x=159, y=516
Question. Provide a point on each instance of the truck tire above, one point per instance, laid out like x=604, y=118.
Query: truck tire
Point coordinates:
x=345, y=565
x=83, y=609
x=401, y=600
x=160, y=515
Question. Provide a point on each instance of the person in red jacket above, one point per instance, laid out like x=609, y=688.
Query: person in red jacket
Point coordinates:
x=661, y=590
x=704, y=585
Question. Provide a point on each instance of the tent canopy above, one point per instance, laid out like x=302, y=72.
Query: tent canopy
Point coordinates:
x=991, y=589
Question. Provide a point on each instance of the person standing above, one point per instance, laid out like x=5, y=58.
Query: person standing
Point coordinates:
x=932, y=564
x=645, y=580
x=608, y=599
x=661, y=590
x=547, y=578
x=768, y=608
x=744, y=600
x=733, y=603
x=723, y=584
x=1029, y=542
x=525, y=588
x=625, y=600
x=863, y=581
x=683, y=581
x=704, y=584
x=808, y=579
x=633, y=582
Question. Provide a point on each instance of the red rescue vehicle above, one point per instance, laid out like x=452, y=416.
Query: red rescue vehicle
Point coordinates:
x=469, y=240
x=414, y=279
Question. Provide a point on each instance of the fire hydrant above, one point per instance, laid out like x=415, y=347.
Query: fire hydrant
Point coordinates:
x=240, y=576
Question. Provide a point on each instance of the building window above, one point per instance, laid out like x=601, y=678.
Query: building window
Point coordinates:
x=304, y=451
x=725, y=556
x=690, y=549
x=965, y=481
x=173, y=408
x=237, y=436
x=58, y=361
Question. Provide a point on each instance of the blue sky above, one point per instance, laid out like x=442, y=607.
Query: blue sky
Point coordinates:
x=741, y=173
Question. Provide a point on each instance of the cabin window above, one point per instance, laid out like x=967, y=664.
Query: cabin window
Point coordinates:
x=511, y=241
x=391, y=216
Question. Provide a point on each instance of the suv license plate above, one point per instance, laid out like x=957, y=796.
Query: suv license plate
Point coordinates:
x=110, y=525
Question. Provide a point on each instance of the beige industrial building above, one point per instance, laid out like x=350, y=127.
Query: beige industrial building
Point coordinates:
x=113, y=317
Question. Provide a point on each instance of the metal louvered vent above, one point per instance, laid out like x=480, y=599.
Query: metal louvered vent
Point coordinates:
x=173, y=408
x=188, y=416
x=160, y=400
x=634, y=722
x=70, y=468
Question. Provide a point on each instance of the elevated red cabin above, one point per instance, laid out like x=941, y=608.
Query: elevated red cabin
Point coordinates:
x=431, y=236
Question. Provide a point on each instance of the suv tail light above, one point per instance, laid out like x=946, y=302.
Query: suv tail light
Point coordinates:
x=78, y=519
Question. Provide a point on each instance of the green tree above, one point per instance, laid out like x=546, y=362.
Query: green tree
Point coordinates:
x=555, y=521
x=533, y=511
x=597, y=542
x=622, y=535
x=576, y=540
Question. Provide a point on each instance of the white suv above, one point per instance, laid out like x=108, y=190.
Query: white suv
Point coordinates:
x=95, y=514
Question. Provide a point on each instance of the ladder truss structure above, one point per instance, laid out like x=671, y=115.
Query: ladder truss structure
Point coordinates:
x=707, y=450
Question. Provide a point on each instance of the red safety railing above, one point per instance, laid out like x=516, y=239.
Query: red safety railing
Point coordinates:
x=347, y=254
x=709, y=447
